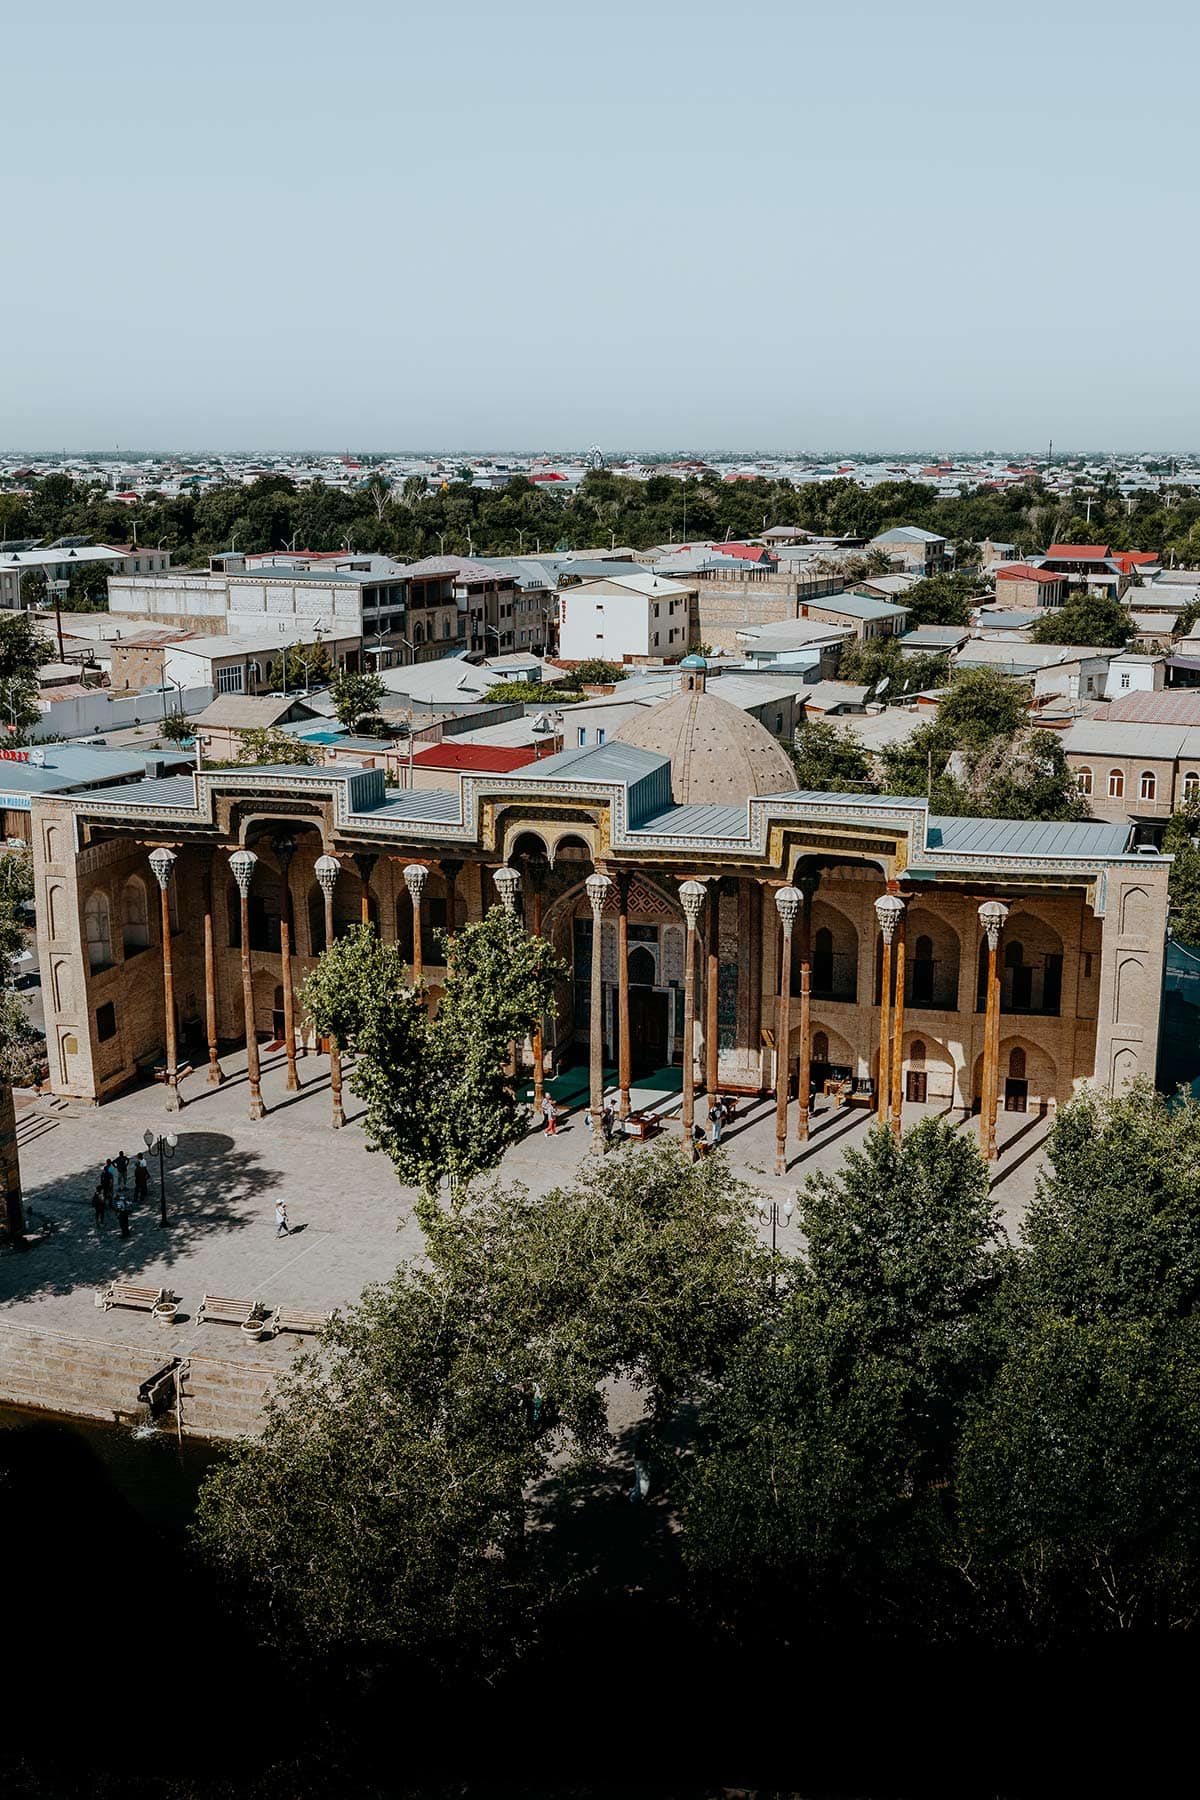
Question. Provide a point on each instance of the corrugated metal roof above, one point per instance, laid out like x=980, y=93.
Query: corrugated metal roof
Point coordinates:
x=167, y=791
x=598, y=762
x=80, y=766
x=698, y=821
x=1127, y=737
x=1025, y=837
x=419, y=803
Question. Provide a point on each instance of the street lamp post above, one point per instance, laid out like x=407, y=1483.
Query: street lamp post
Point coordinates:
x=597, y=886
x=327, y=869
x=162, y=861
x=778, y=1218
x=285, y=850
x=164, y=1144
x=889, y=910
x=508, y=886
x=242, y=865
x=992, y=917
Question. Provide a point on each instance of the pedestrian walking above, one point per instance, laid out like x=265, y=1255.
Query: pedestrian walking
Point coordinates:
x=141, y=1179
x=99, y=1206
x=282, y=1228
x=123, y=1213
x=550, y=1115
x=716, y=1124
x=608, y=1119
x=122, y=1166
x=108, y=1178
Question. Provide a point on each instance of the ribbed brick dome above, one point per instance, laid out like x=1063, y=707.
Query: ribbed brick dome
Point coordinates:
x=720, y=756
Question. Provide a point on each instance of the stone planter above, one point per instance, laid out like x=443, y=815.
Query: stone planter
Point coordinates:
x=252, y=1329
x=164, y=1312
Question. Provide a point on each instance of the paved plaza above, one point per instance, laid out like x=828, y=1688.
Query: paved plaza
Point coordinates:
x=351, y=1221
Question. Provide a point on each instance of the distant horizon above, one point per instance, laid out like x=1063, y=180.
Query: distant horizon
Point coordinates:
x=692, y=453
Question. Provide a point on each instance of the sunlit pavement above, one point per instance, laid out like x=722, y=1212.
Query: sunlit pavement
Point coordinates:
x=351, y=1220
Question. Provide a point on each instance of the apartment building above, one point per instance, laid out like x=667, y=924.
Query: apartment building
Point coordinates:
x=59, y=562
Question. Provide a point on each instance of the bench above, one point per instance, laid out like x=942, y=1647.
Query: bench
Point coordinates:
x=291, y=1318
x=217, y=1311
x=142, y=1299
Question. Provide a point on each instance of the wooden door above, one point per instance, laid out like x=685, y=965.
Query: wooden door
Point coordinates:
x=916, y=1086
x=648, y=1021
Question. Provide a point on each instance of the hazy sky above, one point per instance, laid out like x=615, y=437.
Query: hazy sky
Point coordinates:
x=268, y=225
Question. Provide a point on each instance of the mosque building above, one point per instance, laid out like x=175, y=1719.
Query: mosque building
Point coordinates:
x=798, y=941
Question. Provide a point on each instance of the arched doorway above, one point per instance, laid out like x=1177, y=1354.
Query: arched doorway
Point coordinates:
x=916, y=1081
x=649, y=1014
x=1016, y=1085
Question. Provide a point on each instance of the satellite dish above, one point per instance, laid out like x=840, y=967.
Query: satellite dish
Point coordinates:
x=881, y=685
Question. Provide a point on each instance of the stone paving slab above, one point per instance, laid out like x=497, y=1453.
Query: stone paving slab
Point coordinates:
x=352, y=1222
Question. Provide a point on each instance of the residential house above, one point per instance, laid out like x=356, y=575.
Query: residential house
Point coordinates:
x=867, y=619
x=1130, y=769
x=628, y=619
x=246, y=665
x=1087, y=566
x=910, y=547
x=1024, y=586
x=220, y=726
x=58, y=562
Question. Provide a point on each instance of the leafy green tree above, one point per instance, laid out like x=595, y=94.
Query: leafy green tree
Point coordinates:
x=1092, y=619
x=829, y=760
x=22, y=653
x=176, y=727
x=305, y=665
x=438, y=1100
x=269, y=746
x=595, y=672
x=397, y=1502
x=1184, y=881
x=356, y=695
x=532, y=693
x=940, y=600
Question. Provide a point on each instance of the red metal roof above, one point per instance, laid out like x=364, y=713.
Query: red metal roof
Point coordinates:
x=1129, y=560
x=1025, y=572
x=1078, y=552
x=748, y=552
x=496, y=759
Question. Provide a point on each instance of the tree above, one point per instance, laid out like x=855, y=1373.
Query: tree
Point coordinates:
x=177, y=727
x=532, y=693
x=829, y=760
x=438, y=1100
x=1093, y=619
x=397, y=1500
x=270, y=746
x=1184, y=881
x=22, y=653
x=1187, y=618
x=940, y=600
x=306, y=666
x=595, y=672
x=356, y=695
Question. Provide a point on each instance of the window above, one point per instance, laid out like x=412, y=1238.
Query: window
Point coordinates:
x=1116, y=784
x=582, y=737
x=1124, y=678
x=106, y=1022
x=1149, y=786
x=98, y=931
x=600, y=734
x=820, y=1047
x=135, y=919
x=230, y=681
x=1084, y=778
x=1191, y=785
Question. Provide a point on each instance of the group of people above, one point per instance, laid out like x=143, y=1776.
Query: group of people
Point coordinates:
x=704, y=1137
x=112, y=1189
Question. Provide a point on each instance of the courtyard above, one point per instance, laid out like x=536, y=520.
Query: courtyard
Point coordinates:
x=351, y=1222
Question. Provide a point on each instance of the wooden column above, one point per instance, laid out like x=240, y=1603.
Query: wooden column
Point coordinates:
x=534, y=884
x=327, y=870
x=597, y=892
x=163, y=864
x=415, y=877
x=992, y=915
x=898, y=1030
x=338, y=1118
x=216, y=1074
x=285, y=849
x=623, y=1059
x=807, y=885
x=712, y=982
x=14, y=1211
x=691, y=898
x=364, y=862
x=787, y=902
x=889, y=909
x=242, y=864
x=451, y=870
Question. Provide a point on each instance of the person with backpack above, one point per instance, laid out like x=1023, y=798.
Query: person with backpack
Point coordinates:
x=123, y=1212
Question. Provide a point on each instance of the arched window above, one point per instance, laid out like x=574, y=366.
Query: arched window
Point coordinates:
x=1149, y=786
x=820, y=1047
x=135, y=917
x=98, y=929
x=1116, y=784
x=922, y=974
x=1191, y=785
x=916, y=1054
x=822, y=961
x=641, y=967
x=1016, y=1065
x=1084, y=778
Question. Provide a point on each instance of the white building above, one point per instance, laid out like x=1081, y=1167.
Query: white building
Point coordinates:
x=628, y=618
x=59, y=562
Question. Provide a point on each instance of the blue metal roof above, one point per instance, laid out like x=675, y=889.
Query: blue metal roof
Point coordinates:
x=1025, y=837
x=697, y=821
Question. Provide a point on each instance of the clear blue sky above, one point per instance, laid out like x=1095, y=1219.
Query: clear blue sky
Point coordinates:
x=270, y=225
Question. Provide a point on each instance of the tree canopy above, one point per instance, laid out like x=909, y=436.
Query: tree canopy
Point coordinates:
x=829, y=760
x=1093, y=619
x=356, y=696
